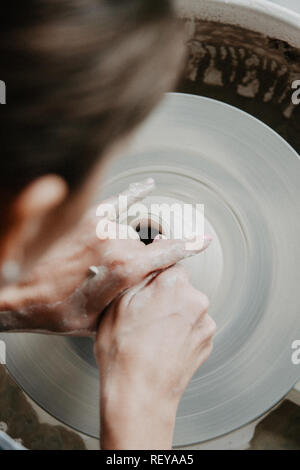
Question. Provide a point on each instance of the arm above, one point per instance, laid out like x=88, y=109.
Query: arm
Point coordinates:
x=59, y=296
x=147, y=353
x=132, y=417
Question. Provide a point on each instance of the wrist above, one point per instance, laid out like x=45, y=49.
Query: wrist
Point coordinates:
x=134, y=416
x=13, y=315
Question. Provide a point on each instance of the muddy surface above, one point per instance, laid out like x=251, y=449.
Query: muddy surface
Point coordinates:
x=21, y=422
x=247, y=70
x=280, y=430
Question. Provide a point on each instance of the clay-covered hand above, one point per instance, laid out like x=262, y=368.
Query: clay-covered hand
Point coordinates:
x=150, y=343
x=60, y=296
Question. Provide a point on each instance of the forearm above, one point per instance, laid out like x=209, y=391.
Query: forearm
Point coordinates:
x=133, y=418
x=9, y=322
x=11, y=318
x=19, y=309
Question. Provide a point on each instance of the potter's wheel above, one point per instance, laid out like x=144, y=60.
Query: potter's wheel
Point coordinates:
x=203, y=151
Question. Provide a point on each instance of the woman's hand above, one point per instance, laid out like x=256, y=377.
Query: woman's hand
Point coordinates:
x=61, y=297
x=150, y=342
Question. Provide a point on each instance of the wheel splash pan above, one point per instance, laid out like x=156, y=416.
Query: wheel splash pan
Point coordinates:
x=202, y=151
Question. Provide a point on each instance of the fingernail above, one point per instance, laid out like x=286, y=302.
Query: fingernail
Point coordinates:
x=197, y=244
x=159, y=237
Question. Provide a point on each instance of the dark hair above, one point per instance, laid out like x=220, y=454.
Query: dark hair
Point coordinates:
x=79, y=74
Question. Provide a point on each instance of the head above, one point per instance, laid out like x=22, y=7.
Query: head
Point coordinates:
x=80, y=76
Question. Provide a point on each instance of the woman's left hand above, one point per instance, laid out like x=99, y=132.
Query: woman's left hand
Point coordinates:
x=62, y=296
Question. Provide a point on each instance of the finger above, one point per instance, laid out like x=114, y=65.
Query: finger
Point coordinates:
x=171, y=277
x=204, y=330
x=115, y=206
x=130, y=292
x=165, y=253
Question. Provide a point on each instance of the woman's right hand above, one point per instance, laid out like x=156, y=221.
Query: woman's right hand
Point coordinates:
x=150, y=343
